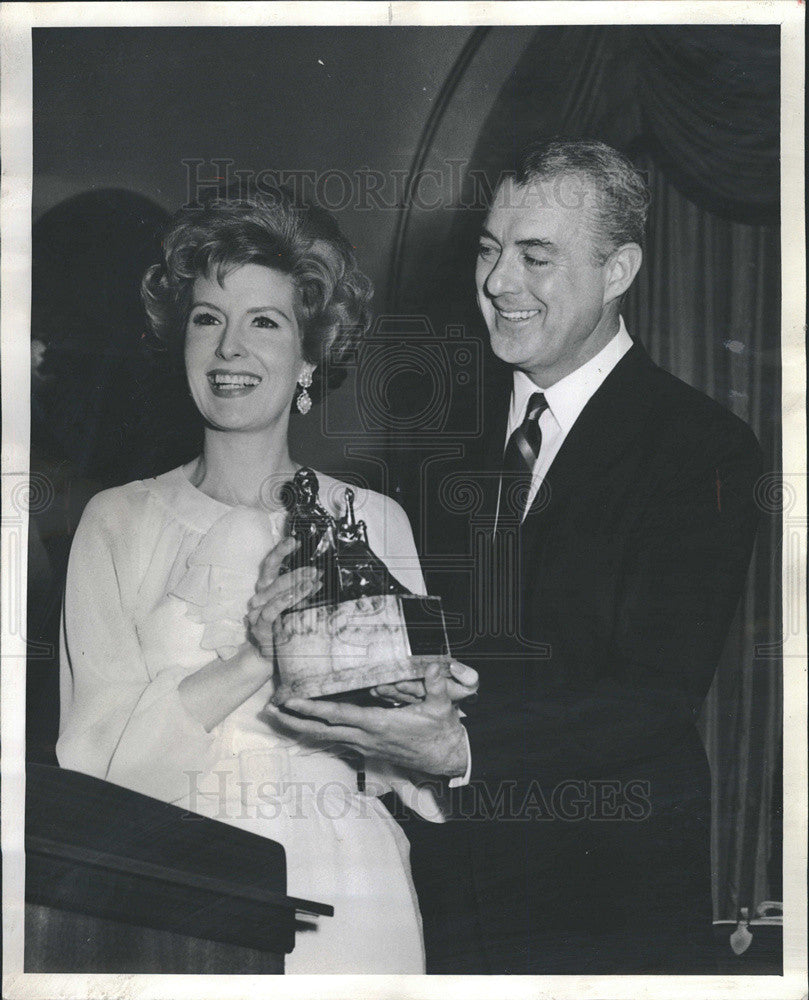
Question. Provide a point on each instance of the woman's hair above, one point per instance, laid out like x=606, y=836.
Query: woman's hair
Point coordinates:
x=277, y=231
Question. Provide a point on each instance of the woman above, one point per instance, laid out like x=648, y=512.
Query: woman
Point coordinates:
x=174, y=584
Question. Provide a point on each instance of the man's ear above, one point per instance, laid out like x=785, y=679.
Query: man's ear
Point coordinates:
x=621, y=266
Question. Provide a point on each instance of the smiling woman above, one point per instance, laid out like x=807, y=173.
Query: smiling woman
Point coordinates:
x=165, y=680
x=243, y=350
x=330, y=296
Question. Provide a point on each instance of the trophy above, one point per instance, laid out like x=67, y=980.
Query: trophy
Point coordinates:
x=362, y=627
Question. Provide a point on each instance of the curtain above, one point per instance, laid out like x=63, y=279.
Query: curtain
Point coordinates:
x=706, y=305
x=710, y=100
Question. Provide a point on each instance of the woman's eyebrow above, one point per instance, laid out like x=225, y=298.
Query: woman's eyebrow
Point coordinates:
x=263, y=309
x=256, y=309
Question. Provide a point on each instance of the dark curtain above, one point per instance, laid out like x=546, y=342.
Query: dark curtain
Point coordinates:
x=698, y=109
x=705, y=100
x=709, y=98
x=706, y=306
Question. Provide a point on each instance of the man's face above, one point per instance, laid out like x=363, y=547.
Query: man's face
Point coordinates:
x=540, y=291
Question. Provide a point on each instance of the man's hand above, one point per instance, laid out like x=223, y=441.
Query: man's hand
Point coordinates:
x=463, y=683
x=424, y=736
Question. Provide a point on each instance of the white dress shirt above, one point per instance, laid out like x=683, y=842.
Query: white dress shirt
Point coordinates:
x=566, y=400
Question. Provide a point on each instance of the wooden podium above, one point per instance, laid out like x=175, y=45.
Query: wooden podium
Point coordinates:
x=116, y=881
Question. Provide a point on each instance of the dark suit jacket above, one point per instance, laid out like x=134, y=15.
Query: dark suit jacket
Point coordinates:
x=585, y=830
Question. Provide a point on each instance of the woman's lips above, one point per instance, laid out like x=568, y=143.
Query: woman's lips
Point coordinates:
x=228, y=384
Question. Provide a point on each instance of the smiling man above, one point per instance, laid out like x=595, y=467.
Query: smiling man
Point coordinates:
x=620, y=520
x=622, y=524
x=548, y=287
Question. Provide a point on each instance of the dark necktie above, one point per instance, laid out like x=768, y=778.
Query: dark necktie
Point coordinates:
x=519, y=458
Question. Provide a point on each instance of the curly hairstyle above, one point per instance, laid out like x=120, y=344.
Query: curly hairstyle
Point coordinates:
x=273, y=229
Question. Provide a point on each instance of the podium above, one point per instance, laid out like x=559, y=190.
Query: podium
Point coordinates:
x=116, y=881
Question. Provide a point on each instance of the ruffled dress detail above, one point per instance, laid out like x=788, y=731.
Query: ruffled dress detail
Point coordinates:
x=222, y=573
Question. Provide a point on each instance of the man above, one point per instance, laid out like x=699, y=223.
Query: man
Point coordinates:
x=619, y=521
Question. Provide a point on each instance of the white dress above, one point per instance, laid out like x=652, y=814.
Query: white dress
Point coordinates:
x=158, y=583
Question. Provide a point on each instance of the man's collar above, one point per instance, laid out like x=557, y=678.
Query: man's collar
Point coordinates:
x=568, y=397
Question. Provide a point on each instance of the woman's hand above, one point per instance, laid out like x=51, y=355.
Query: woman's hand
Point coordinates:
x=277, y=592
x=462, y=683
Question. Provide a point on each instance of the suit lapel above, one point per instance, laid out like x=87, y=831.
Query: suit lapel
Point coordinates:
x=496, y=407
x=608, y=423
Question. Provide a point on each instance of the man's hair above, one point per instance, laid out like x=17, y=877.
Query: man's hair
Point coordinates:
x=277, y=231
x=622, y=196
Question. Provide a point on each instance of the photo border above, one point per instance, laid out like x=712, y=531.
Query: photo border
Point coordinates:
x=16, y=22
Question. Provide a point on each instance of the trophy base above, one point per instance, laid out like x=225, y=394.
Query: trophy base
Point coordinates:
x=354, y=686
x=328, y=650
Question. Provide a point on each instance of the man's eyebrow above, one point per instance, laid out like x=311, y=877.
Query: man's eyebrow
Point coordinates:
x=536, y=242
x=532, y=241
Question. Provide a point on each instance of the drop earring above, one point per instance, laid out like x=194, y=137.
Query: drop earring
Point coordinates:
x=304, y=400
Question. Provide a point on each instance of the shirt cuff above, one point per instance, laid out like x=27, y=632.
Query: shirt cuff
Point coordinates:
x=463, y=779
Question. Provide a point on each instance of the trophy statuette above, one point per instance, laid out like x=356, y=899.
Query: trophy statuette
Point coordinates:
x=362, y=628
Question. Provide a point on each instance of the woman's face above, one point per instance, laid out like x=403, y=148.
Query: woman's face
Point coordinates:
x=243, y=353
